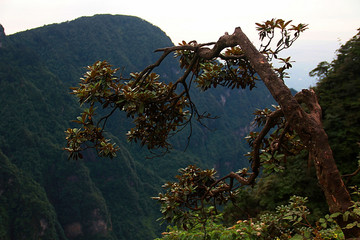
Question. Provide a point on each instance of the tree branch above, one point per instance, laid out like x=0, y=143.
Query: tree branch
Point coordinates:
x=309, y=98
x=149, y=68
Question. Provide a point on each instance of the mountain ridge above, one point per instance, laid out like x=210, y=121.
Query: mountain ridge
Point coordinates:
x=38, y=66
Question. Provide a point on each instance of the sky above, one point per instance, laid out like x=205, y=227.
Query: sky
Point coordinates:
x=331, y=22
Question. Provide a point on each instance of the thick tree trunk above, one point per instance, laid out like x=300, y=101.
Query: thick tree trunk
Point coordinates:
x=309, y=128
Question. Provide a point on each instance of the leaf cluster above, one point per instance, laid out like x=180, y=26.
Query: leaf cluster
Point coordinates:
x=193, y=198
x=286, y=222
x=230, y=69
x=272, y=148
x=288, y=34
x=236, y=72
x=353, y=213
x=155, y=107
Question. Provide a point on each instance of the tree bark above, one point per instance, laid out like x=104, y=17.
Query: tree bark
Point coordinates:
x=309, y=128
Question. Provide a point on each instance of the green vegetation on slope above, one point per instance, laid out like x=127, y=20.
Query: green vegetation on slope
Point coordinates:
x=339, y=96
x=25, y=212
x=38, y=66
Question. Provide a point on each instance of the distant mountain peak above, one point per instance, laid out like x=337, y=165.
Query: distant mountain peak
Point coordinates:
x=2, y=35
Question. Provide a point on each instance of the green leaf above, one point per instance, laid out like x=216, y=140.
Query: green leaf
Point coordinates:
x=351, y=225
x=298, y=220
x=141, y=108
x=297, y=237
x=335, y=215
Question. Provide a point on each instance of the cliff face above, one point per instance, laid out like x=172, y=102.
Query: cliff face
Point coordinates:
x=96, y=198
x=24, y=207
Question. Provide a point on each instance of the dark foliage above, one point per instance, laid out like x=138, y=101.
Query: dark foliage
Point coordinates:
x=339, y=95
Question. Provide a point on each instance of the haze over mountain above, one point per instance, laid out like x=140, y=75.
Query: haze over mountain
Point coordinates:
x=44, y=195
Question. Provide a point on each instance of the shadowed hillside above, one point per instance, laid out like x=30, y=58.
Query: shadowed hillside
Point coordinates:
x=96, y=198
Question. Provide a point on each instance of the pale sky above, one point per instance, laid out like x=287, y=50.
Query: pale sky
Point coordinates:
x=331, y=22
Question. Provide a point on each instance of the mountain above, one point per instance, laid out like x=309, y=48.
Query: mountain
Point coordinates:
x=338, y=90
x=45, y=196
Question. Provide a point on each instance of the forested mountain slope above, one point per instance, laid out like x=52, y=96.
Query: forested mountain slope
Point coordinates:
x=338, y=90
x=45, y=196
